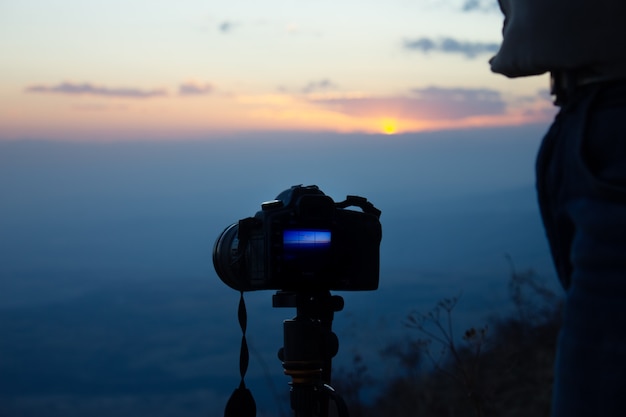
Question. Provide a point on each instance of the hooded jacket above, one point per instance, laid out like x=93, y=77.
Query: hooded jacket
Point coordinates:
x=587, y=36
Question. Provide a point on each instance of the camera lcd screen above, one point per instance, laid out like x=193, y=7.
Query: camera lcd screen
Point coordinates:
x=306, y=239
x=306, y=253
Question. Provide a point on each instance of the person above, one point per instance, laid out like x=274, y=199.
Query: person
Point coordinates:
x=581, y=185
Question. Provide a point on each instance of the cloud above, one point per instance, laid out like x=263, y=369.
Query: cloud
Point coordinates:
x=193, y=88
x=92, y=90
x=226, y=26
x=463, y=102
x=96, y=107
x=451, y=46
x=480, y=5
x=321, y=85
x=432, y=103
x=465, y=6
x=188, y=88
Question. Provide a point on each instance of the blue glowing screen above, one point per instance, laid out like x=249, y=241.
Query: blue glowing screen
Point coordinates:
x=306, y=239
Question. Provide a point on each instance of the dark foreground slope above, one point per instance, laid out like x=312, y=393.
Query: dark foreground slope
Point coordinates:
x=501, y=369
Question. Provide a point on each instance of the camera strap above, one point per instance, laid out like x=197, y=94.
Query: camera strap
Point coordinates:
x=241, y=402
x=360, y=202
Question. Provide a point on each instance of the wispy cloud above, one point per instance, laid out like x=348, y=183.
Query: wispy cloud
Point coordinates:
x=433, y=103
x=194, y=88
x=88, y=89
x=451, y=46
x=226, y=26
x=484, y=6
x=480, y=5
x=319, y=85
x=462, y=102
x=97, y=107
x=188, y=88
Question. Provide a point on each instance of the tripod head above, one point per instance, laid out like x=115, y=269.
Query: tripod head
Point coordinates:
x=308, y=348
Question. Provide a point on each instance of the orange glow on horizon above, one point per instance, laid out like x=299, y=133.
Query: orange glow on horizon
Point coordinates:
x=103, y=118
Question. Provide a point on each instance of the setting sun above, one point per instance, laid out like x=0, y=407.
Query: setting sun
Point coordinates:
x=389, y=126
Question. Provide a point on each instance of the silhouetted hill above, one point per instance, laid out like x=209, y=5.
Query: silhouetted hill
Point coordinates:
x=502, y=369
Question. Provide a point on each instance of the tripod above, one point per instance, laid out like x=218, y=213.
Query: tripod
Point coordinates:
x=308, y=348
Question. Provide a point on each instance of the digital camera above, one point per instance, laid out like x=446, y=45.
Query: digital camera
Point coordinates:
x=302, y=241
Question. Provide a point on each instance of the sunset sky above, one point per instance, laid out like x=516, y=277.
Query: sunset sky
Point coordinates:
x=187, y=69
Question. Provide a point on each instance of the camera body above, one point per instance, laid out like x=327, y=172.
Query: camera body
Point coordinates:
x=302, y=241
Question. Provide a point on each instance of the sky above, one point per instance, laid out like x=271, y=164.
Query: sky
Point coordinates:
x=153, y=70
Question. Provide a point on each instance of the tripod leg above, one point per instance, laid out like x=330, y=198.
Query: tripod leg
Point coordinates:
x=342, y=407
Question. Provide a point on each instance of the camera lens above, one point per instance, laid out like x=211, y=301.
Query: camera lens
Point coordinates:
x=225, y=257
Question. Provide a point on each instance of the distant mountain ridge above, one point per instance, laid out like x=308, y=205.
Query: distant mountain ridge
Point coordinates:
x=107, y=289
